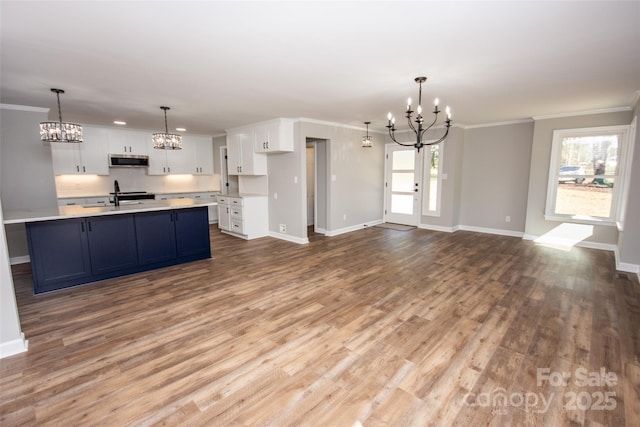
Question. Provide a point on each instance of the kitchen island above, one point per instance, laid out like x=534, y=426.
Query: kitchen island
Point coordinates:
x=73, y=245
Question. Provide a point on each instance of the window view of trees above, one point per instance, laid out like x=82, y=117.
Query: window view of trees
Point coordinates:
x=584, y=172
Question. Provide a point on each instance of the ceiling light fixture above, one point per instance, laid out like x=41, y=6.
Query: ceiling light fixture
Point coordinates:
x=60, y=131
x=119, y=122
x=166, y=140
x=367, y=141
x=420, y=129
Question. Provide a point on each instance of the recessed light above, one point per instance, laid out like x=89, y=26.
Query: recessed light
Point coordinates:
x=181, y=129
x=119, y=122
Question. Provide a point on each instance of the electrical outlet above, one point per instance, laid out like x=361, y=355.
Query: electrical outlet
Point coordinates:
x=275, y=196
x=283, y=228
x=344, y=217
x=508, y=218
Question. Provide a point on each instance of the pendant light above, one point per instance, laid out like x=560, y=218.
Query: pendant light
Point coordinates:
x=166, y=140
x=367, y=141
x=60, y=131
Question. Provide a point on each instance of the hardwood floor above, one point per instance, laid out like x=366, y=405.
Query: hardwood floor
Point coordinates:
x=376, y=328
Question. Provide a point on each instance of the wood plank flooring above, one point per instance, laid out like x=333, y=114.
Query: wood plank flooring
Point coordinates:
x=373, y=328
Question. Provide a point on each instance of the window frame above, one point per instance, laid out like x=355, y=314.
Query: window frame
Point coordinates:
x=621, y=177
x=426, y=176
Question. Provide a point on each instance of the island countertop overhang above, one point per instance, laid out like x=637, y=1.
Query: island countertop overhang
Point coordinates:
x=78, y=211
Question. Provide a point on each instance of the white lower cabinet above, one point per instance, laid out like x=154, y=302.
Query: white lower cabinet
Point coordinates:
x=245, y=216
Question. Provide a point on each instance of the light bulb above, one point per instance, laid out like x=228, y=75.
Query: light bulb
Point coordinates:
x=436, y=102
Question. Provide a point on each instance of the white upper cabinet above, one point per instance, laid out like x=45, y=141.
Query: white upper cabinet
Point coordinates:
x=201, y=153
x=195, y=158
x=92, y=156
x=273, y=137
x=88, y=157
x=124, y=141
x=165, y=162
x=241, y=157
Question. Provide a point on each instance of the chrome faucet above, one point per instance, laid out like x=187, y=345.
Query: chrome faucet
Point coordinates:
x=116, y=189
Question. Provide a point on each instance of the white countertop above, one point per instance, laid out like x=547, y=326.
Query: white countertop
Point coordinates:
x=78, y=211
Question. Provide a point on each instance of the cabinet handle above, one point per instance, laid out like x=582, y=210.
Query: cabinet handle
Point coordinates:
x=82, y=226
x=89, y=224
x=168, y=169
x=77, y=168
x=84, y=169
x=125, y=148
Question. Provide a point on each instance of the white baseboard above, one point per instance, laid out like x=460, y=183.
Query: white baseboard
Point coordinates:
x=17, y=346
x=626, y=266
x=498, y=231
x=320, y=230
x=19, y=260
x=331, y=233
x=582, y=244
x=595, y=245
x=288, y=238
x=438, y=228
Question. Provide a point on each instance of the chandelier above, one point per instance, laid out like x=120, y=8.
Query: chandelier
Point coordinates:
x=60, y=131
x=419, y=128
x=166, y=140
x=367, y=141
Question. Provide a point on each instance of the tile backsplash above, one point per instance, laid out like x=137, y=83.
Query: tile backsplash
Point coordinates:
x=133, y=180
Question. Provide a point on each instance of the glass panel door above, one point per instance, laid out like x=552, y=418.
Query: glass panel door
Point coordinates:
x=402, y=193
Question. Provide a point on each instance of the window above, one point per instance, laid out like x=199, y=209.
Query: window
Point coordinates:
x=586, y=175
x=432, y=184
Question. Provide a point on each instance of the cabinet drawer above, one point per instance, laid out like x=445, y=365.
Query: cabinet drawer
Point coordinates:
x=223, y=200
x=235, y=201
x=236, y=212
x=237, y=226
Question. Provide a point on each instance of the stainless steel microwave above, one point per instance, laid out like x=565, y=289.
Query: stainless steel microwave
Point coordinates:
x=128, y=161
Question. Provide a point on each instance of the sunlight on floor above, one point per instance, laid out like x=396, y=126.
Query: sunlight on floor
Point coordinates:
x=565, y=236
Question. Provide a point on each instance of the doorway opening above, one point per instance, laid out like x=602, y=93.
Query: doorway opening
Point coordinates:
x=229, y=183
x=317, y=166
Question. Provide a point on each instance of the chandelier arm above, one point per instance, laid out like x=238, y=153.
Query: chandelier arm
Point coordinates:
x=413, y=128
x=393, y=138
x=439, y=140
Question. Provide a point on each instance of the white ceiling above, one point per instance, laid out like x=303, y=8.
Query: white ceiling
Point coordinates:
x=225, y=64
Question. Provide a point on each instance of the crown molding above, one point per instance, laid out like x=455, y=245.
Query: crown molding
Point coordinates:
x=335, y=124
x=581, y=113
x=506, y=123
x=23, y=108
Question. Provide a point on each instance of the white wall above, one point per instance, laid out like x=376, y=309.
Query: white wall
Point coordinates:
x=26, y=169
x=629, y=243
x=11, y=337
